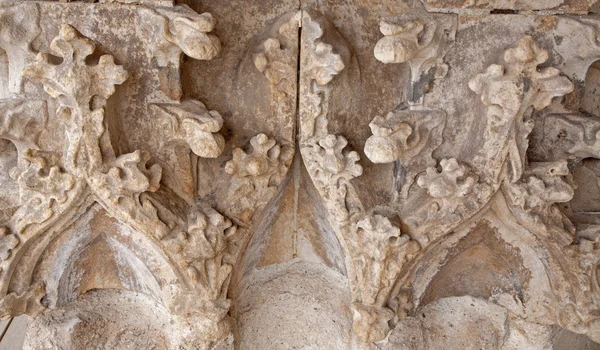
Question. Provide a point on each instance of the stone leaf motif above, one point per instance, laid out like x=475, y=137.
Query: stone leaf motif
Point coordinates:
x=204, y=250
x=120, y=190
x=381, y=252
x=128, y=175
x=193, y=123
x=320, y=65
x=579, y=136
x=73, y=82
x=207, y=253
x=535, y=195
x=332, y=169
x=508, y=91
x=81, y=91
x=43, y=187
x=325, y=64
x=456, y=194
x=257, y=174
x=75, y=85
x=420, y=42
x=277, y=59
x=278, y=65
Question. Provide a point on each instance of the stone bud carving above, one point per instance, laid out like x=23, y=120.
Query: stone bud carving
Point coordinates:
x=408, y=137
x=332, y=169
x=381, y=253
x=257, y=174
x=422, y=43
x=401, y=41
x=452, y=181
x=190, y=35
x=388, y=141
x=193, y=123
x=509, y=91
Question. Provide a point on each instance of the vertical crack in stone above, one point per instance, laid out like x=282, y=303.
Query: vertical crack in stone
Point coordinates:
x=298, y=157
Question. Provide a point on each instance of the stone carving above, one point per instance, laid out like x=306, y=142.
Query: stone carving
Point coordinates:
x=70, y=81
x=536, y=194
x=408, y=137
x=453, y=181
x=382, y=252
x=205, y=251
x=188, y=34
x=567, y=136
x=421, y=42
x=321, y=64
x=22, y=122
x=332, y=169
x=196, y=125
x=107, y=213
x=43, y=187
x=277, y=60
x=510, y=91
x=118, y=181
x=455, y=194
x=258, y=174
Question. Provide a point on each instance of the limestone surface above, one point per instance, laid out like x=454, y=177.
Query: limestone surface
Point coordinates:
x=301, y=174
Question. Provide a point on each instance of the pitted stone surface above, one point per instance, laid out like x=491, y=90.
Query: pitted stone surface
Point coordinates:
x=301, y=174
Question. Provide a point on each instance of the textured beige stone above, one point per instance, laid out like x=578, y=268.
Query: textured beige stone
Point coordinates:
x=284, y=174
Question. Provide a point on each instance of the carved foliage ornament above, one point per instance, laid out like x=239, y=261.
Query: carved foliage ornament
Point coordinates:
x=51, y=183
x=509, y=92
x=203, y=242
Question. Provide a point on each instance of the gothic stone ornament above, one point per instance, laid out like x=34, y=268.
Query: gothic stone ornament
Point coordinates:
x=61, y=178
x=421, y=41
x=152, y=201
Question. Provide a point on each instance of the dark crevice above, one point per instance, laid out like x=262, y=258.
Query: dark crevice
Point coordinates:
x=503, y=12
x=297, y=157
x=6, y=329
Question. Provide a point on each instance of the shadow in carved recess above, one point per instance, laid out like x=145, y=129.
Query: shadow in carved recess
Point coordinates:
x=481, y=265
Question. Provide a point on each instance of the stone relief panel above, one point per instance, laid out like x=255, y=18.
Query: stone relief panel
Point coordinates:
x=300, y=174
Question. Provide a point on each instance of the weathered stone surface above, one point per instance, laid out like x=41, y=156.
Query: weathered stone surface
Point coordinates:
x=301, y=174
